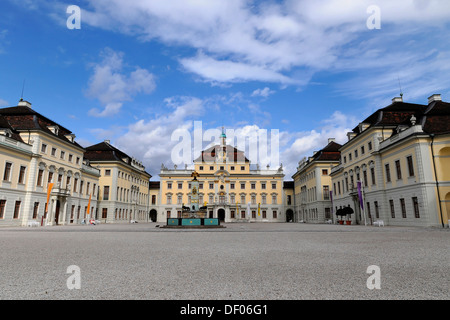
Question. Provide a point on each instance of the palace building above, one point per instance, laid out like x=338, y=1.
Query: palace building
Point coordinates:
x=400, y=158
x=124, y=185
x=45, y=178
x=49, y=179
x=229, y=189
x=312, y=184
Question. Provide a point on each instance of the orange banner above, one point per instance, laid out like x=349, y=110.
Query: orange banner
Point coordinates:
x=50, y=187
x=89, y=205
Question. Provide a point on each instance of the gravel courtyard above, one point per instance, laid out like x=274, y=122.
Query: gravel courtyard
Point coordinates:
x=242, y=261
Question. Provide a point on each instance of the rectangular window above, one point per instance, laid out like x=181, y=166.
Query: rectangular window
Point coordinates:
x=253, y=186
x=326, y=193
x=274, y=199
x=232, y=214
x=43, y=148
x=211, y=167
x=54, y=152
x=62, y=154
x=232, y=168
x=153, y=199
x=372, y=174
x=22, y=174
x=324, y=172
x=180, y=185
x=416, y=207
x=377, y=210
x=70, y=157
x=264, y=214
x=368, y=210
x=201, y=168
x=274, y=185
x=211, y=185
x=232, y=186
x=274, y=214
x=289, y=200
x=169, y=199
x=370, y=145
x=169, y=185
x=263, y=186
x=107, y=172
x=40, y=176
x=2, y=208
x=35, y=210
x=403, y=206
x=399, y=169
x=388, y=172
x=106, y=193
x=242, y=214
x=16, y=210
x=7, y=173
x=242, y=168
x=104, y=212
x=254, y=214
x=242, y=185
x=410, y=166
x=391, y=203
x=243, y=199
x=365, y=178
x=362, y=150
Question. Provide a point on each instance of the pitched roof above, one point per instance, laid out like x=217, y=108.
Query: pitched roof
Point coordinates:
x=329, y=153
x=104, y=151
x=233, y=154
x=23, y=118
x=435, y=117
x=4, y=124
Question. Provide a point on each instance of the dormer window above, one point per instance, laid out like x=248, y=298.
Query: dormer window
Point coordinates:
x=54, y=129
x=70, y=137
x=6, y=132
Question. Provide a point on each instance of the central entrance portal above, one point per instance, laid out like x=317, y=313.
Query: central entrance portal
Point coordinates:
x=221, y=214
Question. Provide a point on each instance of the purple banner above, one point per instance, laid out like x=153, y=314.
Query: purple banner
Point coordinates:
x=360, y=195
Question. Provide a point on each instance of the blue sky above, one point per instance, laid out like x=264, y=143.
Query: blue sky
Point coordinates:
x=138, y=70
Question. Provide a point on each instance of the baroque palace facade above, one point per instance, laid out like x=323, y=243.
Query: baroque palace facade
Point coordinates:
x=49, y=179
x=228, y=189
x=394, y=167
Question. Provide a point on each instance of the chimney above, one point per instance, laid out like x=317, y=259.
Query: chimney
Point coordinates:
x=108, y=141
x=434, y=97
x=397, y=99
x=23, y=103
x=330, y=140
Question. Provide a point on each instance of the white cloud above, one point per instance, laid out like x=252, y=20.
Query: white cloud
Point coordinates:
x=263, y=92
x=280, y=42
x=303, y=144
x=150, y=140
x=112, y=86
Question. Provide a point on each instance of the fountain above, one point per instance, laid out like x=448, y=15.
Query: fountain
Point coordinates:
x=194, y=216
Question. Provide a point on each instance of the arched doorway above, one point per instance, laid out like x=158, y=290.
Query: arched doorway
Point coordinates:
x=289, y=215
x=221, y=214
x=153, y=215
